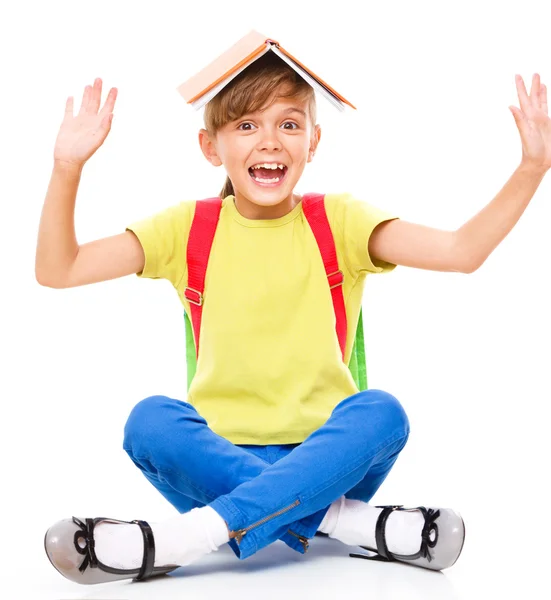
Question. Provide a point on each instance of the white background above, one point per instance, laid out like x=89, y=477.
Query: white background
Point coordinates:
x=432, y=140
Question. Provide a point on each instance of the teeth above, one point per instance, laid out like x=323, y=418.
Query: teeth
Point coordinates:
x=269, y=166
x=260, y=180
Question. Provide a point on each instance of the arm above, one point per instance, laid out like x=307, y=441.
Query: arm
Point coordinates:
x=60, y=261
x=466, y=249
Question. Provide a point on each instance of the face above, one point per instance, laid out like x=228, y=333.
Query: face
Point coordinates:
x=280, y=136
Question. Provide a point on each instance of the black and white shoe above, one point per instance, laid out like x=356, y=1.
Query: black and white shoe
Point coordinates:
x=70, y=545
x=442, y=539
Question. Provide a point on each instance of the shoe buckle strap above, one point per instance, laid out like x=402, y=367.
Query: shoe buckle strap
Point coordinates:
x=382, y=551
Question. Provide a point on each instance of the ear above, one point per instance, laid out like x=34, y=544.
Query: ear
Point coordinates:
x=208, y=148
x=314, y=141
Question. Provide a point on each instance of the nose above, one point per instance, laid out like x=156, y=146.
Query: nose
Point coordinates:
x=269, y=140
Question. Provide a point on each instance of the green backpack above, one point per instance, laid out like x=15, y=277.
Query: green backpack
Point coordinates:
x=201, y=235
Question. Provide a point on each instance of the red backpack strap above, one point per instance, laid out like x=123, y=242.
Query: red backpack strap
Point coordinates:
x=313, y=206
x=201, y=236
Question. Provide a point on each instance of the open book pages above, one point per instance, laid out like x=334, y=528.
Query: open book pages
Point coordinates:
x=200, y=102
x=315, y=83
x=209, y=81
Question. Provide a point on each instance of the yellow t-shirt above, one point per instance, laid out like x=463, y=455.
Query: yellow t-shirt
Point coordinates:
x=269, y=370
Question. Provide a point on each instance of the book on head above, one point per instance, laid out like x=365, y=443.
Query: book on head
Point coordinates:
x=203, y=86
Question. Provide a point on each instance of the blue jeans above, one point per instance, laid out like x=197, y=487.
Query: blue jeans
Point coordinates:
x=266, y=493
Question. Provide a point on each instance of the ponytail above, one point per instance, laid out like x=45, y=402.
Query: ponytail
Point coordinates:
x=227, y=189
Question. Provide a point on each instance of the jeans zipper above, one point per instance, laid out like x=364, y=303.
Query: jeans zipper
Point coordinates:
x=303, y=540
x=241, y=532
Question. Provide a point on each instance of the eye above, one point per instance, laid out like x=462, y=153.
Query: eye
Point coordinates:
x=245, y=123
x=290, y=123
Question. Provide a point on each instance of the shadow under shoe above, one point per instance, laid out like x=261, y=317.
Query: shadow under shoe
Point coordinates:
x=442, y=539
x=70, y=546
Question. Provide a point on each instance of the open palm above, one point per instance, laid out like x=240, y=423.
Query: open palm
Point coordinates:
x=81, y=135
x=533, y=123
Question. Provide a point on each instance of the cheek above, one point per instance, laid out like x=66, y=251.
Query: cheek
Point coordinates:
x=231, y=162
x=300, y=150
x=236, y=157
x=301, y=155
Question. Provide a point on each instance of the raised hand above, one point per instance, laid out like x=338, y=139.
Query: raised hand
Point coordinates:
x=533, y=123
x=81, y=135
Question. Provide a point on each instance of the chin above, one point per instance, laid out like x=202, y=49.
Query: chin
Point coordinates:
x=262, y=201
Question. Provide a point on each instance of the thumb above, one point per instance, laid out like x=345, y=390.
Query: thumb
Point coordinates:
x=518, y=116
x=106, y=121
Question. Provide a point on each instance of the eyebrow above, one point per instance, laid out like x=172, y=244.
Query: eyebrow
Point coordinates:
x=287, y=111
x=293, y=109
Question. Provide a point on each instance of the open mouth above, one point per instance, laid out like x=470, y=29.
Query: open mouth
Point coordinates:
x=268, y=174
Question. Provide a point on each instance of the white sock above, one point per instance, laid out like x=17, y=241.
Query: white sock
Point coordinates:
x=180, y=540
x=331, y=516
x=352, y=522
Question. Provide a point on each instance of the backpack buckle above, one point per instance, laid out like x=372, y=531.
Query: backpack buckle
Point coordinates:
x=335, y=279
x=193, y=296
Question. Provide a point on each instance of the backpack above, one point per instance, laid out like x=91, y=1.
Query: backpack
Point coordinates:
x=201, y=236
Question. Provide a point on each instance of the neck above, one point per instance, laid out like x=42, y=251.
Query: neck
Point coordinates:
x=257, y=212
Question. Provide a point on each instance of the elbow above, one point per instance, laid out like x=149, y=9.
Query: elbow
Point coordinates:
x=41, y=277
x=46, y=280
x=463, y=256
x=468, y=266
x=469, y=269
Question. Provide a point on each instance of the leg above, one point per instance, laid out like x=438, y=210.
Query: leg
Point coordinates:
x=186, y=461
x=175, y=449
x=365, y=432
x=366, y=488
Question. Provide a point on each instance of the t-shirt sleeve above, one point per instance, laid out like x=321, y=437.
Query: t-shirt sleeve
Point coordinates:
x=357, y=220
x=164, y=241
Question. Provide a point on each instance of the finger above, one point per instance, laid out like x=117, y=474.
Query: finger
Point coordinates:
x=109, y=102
x=106, y=121
x=85, y=98
x=519, y=117
x=95, y=97
x=543, y=98
x=69, y=107
x=522, y=94
x=535, y=91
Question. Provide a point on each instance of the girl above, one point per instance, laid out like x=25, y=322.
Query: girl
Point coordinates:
x=275, y=440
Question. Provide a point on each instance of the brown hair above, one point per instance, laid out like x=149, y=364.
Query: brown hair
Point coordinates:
x=256, y=87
